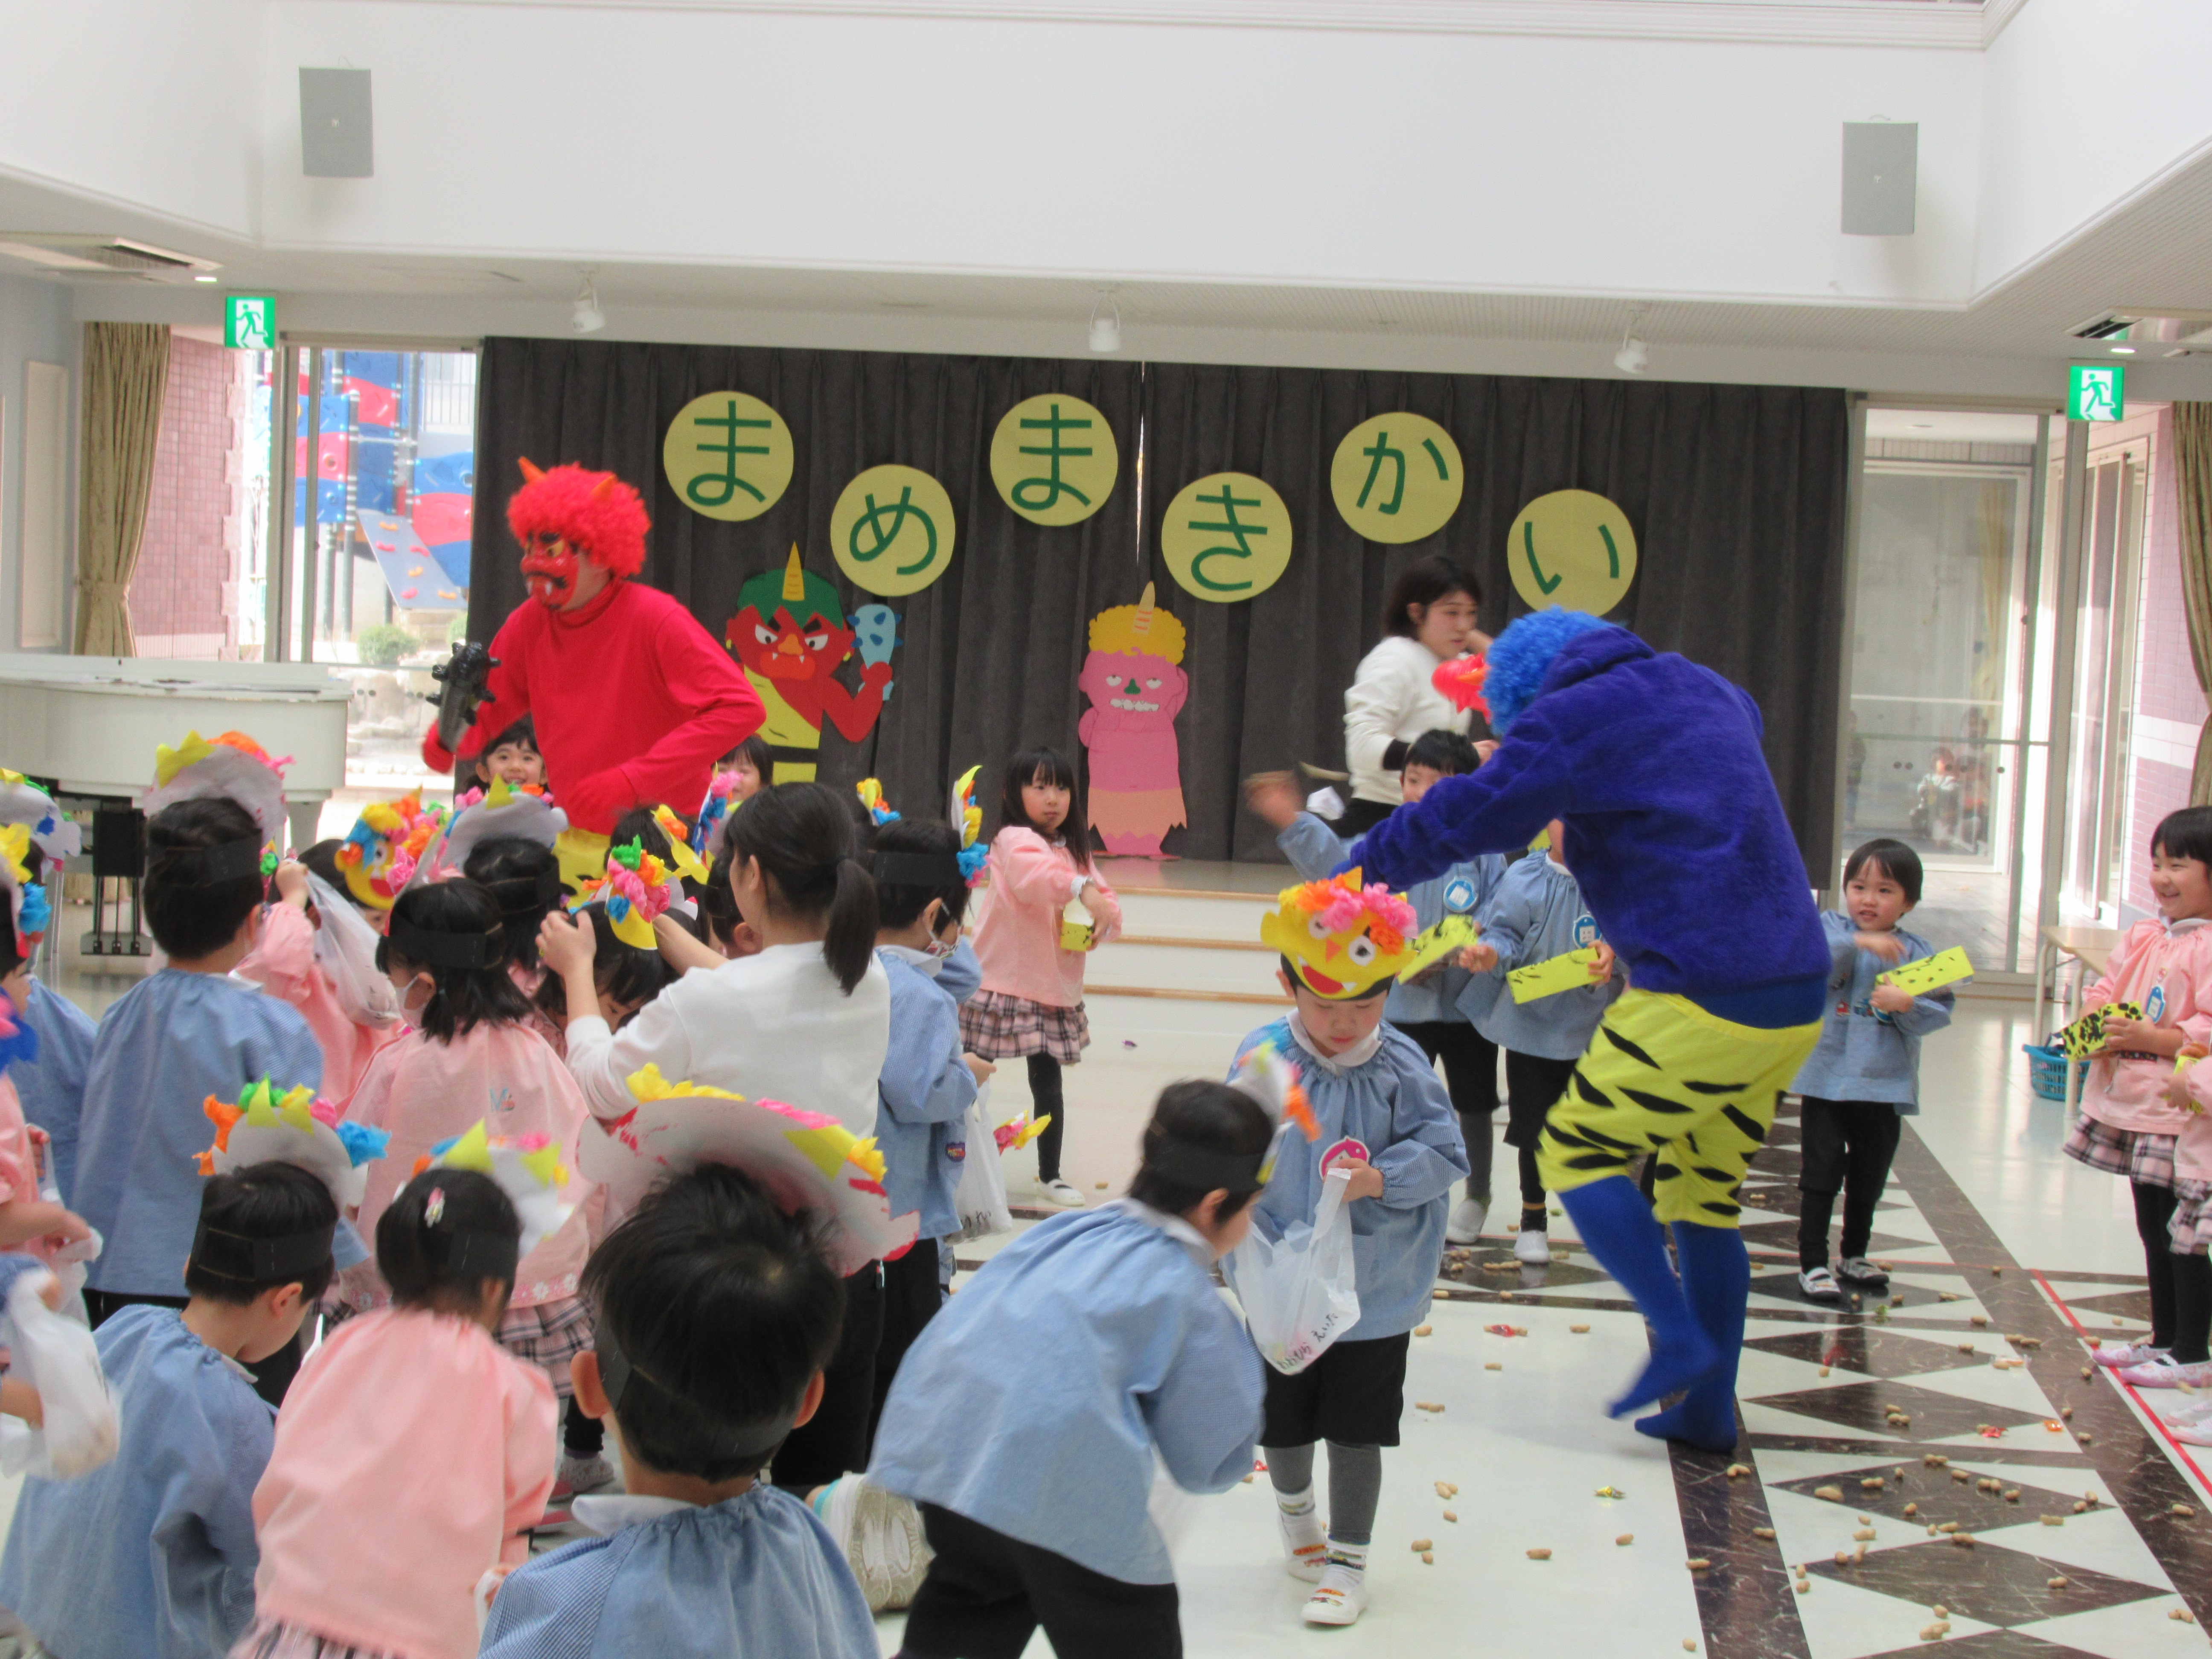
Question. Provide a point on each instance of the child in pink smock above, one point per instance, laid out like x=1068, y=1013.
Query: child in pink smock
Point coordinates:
x=411, y=1451
x=350, y=1011
x=474, y=1056
x=1031, y=1002
x=2128, y=1123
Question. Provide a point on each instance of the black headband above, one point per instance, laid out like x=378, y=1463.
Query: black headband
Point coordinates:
x=543, y=892
x=1204, y=1169
x=918, y=870
x=742, y=1442
x=428, y=950
x=472, y=1256
x=206, y=867
x=260, y=1260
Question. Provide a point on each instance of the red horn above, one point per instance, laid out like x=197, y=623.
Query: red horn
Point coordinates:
x=531, y=474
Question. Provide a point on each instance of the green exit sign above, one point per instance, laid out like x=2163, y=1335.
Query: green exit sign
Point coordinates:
x=249, y=322
x=2096, y=392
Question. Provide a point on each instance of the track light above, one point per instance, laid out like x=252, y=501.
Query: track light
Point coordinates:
x=1634, y=356
x=587, y=318
x=1106, y=322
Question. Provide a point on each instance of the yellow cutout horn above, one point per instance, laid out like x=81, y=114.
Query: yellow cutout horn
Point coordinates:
x=794, y=579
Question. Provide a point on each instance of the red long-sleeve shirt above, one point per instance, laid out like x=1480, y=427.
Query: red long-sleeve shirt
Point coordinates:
x=632, y=682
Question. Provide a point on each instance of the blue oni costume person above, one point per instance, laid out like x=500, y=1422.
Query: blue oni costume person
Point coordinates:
x=1679, y=840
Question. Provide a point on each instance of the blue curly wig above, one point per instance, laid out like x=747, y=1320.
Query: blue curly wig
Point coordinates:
x=1521, y=655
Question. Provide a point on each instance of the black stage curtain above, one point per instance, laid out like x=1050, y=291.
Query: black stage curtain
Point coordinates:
x=1736, y=495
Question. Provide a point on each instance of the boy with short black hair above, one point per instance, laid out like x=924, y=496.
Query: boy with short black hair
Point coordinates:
x=154, y=1552
x=716, y=1313
x=1862, y=1079
x=178, y=1037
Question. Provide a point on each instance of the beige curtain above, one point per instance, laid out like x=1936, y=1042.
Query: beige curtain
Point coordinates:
x=127, y=370
x=2192, y=450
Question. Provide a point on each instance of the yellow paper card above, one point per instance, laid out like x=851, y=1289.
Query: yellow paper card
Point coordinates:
x=1930, y=973
x=1548, y=979
x=1075, y=935
x=1452, y=934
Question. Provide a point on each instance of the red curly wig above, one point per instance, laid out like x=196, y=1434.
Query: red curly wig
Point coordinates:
x=600, y=515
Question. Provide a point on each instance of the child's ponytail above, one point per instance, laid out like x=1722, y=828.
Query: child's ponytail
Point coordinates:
x=850, y=944
x=801, y=835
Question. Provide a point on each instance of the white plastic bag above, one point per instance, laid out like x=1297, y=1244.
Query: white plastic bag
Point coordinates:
x=345, y=950
x=1297, y=1290
x=981, y=1197
x=56, y=1357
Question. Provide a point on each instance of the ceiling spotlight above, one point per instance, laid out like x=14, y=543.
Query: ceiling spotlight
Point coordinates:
x=1106, y=322
x=2124, y=351
x=206, y=276
x=1634, y=356
x=587, y=318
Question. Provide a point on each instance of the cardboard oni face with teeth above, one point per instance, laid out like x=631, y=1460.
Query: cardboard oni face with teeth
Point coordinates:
x=1341, y=937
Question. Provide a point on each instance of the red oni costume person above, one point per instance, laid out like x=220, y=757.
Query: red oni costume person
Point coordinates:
x=634, y=701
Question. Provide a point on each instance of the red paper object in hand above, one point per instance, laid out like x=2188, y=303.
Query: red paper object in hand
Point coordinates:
x=1460, y=681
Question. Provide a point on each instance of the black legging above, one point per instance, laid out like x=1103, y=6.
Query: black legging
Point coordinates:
x=834, y=1440
x=2180, y=1286
x=1047, y=1098
x=1471, y=1078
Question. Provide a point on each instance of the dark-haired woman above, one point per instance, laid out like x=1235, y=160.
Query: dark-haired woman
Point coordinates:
x=1030, y=1007
x=804, y=1020
x=1429, y=618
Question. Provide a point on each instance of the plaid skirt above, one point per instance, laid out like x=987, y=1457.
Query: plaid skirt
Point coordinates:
x=2145, y=1158
x=548, y=1335
x=2191, y=1230
x=271, y=1639
x=1001, y=1027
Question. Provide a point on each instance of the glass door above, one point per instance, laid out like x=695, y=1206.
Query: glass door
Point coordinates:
x=2104, y=685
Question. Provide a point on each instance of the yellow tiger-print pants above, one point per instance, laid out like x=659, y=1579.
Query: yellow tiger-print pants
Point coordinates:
x=1662, y=1075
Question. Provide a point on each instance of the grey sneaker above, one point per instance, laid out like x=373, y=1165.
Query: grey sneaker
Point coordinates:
x=578, y=1475
x=1858, y=1272
x=1819, y=1284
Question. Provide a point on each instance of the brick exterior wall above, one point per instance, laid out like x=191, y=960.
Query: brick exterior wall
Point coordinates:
x=184, y=593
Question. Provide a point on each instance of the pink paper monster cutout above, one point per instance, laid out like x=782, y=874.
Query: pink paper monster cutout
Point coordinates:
x=1136, y=690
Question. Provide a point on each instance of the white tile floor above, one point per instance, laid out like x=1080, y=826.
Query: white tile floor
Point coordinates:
x=1529, y=1444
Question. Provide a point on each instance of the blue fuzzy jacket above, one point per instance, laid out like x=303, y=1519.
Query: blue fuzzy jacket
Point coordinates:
x=1674, y=828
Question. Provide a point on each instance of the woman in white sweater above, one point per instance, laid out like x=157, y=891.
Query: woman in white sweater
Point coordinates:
x=1429, y=617
x=805, y=1020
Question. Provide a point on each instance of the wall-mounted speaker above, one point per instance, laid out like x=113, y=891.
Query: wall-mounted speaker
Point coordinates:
x=1881, y=175
x=335, y=140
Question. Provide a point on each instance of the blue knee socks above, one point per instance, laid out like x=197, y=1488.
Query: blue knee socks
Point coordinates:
x=1717, y=1280
x=1618, y=1227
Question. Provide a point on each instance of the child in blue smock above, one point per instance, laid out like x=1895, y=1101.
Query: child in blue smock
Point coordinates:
x=1438, y=1009
x=715, y=1315
x=1864, y=1078
x=1536, y=914
x=52, y=1086
x=1382, y=1113
x=153, y=1552
x=928, y=1083
x=170, y=1042
x=1029, y=1419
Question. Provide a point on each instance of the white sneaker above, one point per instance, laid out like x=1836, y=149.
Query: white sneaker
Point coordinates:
x=1059, y=1193
x=2166, y=1372
x=1468, y=1217
x=2195, y=1432
x=2117, y=1356
x=881, y=1535
x=1305, y=1546
x=2195, y=1408
x=1339, y=1598
x=1819, y=1284
x=1531, y=1248
x=578, y=1476
x=1861, y=1273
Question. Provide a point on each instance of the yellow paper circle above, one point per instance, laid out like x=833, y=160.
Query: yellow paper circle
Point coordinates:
x=1226, y=536
x=728, y=455
x=1054, y=460
x=1397, y=477
x=892, y=531
x=1571, y=551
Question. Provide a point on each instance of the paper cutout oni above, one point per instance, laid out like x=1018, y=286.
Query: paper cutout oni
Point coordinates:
x=1343, y=938
x=1136, y=686
x=1553, y=976
x=1930, y=973
x=790, y=634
